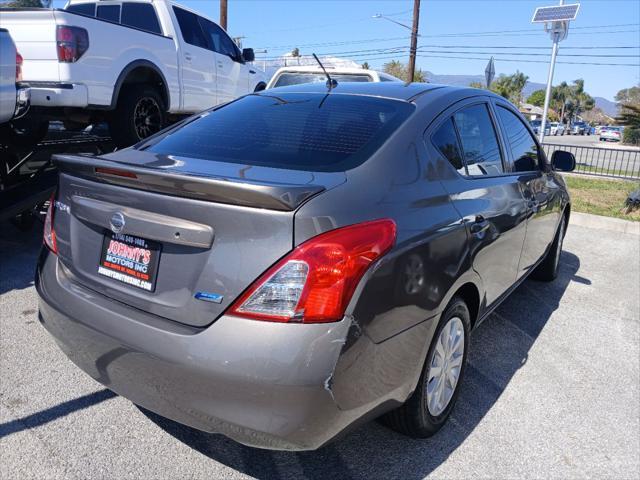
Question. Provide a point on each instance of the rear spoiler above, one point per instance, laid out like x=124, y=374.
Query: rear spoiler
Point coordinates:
x=272, y=196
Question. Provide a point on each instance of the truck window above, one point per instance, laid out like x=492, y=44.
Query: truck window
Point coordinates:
x=109, y=12
x=140, y=15
x=88, y=9
x=219, y=41
x=190, y=28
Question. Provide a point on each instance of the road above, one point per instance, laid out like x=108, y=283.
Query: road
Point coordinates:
x=594, y=156
x=552, y=391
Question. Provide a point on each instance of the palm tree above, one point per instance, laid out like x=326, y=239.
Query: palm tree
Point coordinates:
x=560, y=95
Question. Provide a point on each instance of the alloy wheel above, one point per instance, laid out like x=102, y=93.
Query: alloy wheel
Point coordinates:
x=147, y=117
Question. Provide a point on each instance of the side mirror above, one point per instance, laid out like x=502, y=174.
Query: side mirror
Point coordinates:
x=563, y=161
x=248, y=55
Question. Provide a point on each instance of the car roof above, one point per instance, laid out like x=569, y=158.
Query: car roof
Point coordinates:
x=394, y=90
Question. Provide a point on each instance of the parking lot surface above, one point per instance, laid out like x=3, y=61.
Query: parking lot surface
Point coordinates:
x=552, y=391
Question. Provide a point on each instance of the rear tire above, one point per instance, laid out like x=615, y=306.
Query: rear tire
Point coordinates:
x=423, y=415
x=547, y=271
x=140, y=113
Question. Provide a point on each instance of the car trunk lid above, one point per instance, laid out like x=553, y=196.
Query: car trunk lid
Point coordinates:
x=212, y=234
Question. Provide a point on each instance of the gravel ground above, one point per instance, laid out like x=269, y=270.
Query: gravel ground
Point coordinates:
x=552, y=392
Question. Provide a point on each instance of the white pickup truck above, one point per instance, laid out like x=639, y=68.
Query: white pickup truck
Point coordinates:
x=14, y=97
x=135, y=63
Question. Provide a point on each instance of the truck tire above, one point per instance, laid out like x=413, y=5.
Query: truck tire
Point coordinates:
x=25, y=132
x=140, y=112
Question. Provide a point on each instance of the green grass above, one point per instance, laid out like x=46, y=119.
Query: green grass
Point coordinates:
x=601, y=197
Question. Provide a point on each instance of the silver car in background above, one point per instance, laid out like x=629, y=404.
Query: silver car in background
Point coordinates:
x=297, y=75
x=14, y=99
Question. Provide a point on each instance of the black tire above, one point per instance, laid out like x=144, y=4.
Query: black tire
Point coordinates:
x=25, y=132
x=414, y=418
x=547, y=271
x=140, y=112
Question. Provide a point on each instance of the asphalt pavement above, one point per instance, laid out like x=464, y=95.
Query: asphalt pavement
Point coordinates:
x=553, y=391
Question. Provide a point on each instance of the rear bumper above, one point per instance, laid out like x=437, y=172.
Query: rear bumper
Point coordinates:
x=56, y=94
x=268, y=385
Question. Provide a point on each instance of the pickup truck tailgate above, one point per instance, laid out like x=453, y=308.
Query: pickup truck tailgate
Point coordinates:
x=34, y=33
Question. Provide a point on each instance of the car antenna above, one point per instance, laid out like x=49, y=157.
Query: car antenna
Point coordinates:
x=331, y=83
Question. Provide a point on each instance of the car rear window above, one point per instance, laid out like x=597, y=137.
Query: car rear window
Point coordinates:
x=313, y=132
x=286, y=79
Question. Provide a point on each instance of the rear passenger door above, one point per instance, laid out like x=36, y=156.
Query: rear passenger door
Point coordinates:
x=483, y=191
x=539, y=185
x=199, y=80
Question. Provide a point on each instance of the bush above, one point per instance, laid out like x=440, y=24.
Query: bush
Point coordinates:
x=631, y=136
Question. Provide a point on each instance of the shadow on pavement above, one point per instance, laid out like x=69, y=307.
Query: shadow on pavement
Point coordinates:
x=18, y=255
x=499, y=347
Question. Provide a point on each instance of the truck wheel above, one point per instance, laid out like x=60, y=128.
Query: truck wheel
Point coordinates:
x=140, y=113
x=25, y=132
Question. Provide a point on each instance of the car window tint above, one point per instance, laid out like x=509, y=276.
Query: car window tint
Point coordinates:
x=218, y=40
x=140, y=15
x=296, y=78
x=190, y=28
x=313, y=132
x=480, y=148
x=109, y=12
x=446, y=140
x=88, y=9
x=524, y=148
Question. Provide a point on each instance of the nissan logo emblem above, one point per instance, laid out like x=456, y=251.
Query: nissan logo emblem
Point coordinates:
x=117, y=222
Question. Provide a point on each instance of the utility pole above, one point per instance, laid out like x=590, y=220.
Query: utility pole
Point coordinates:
x=414, y=41
x=223, y=14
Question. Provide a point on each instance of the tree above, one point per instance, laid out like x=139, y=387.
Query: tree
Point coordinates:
x=365, y=65
x=510, y=86
x=24, y=4
x=479, y=85
x=400, y=70
x=559, y=96
x=629, y=104
x=628, y=96
x=580, y=100
x=536, y=98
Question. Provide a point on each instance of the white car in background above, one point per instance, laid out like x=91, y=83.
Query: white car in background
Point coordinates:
x=610, y=133
x=14, y=97
x=556, y=128
x=296, y=75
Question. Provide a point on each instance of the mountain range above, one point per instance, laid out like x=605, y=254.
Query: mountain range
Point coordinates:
x=607, y=106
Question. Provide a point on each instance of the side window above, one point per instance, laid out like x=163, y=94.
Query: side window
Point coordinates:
x=219, y=41
x=523, y=147
x=446, y=140
x=109, y=12
x=88, y=9
x=140, y=15
x=480, y=149
x=190, y=28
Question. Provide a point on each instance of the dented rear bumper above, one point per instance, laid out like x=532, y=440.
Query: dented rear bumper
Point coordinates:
x=264, y=384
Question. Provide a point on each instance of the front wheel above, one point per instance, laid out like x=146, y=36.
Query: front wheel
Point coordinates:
x=426, y=411
x=139, y=114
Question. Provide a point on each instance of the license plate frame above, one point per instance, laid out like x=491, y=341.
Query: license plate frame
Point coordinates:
x=130, y=260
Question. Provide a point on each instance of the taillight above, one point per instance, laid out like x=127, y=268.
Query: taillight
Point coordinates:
x=19, y=61
x=72, y=43
x=315, y=282
x=49, y=232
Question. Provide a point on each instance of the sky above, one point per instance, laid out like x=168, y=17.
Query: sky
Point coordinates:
x=347, y=28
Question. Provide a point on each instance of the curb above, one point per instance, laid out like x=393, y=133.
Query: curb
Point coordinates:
x=604, y=223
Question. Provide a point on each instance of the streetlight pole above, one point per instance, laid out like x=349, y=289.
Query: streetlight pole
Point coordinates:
x=558, y=32
x=414, y=41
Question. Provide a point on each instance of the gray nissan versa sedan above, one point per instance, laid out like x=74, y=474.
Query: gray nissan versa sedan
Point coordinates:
x=298, y=261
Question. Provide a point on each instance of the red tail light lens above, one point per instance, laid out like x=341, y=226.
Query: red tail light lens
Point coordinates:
x=49, y=232
x=72, y=43
x=19, y=61
x=315, y=282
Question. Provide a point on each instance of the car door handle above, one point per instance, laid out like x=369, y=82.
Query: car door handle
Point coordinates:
x=480, y=225
x=188, y=57
x=252, y=71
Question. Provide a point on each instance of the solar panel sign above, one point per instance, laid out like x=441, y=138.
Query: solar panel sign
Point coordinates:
x=556, y=13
